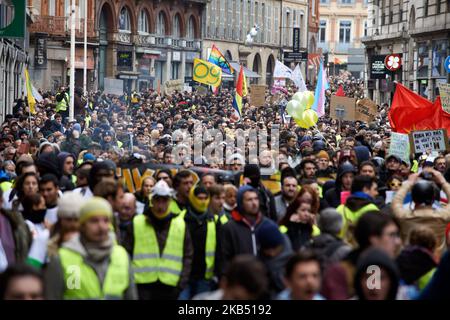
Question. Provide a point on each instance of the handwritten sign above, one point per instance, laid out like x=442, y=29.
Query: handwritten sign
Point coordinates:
x=400, y=146
x=342, y=108
x=444, y=91
x=258, y=95
x=429, y=140
x=366, y=110
x=173, y=85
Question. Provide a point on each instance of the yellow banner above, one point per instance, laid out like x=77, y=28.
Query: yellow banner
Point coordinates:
x=207, y=73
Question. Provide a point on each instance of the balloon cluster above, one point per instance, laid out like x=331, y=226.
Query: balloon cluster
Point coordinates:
x=299, y=108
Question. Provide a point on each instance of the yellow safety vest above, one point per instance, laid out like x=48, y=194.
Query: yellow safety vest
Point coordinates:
x=222, y=219
x=62, y=105
x=315, y=231
x=175, y=208
x=81, y=281
x=210, y=247
x=149, y=265
x=351, y=217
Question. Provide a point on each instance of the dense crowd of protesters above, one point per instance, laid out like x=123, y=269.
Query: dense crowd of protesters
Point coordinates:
x=326, y=230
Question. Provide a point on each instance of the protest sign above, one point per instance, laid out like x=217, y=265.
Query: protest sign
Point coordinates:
x=258, y=95
x=366, y=110
x=113, y=86
x=400, y=146
x=207, y=73
x=173, y=85
x=342, y=108
x=444, y=92
x=428, y=141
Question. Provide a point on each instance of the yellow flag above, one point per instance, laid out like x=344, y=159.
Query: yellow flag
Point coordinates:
x=207, y=73
x=31, y=100
x=244, y=87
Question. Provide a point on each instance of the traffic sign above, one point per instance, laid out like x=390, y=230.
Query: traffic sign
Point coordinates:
x=447, y=64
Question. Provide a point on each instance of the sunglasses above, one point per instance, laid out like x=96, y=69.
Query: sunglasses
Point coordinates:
x=395, y=184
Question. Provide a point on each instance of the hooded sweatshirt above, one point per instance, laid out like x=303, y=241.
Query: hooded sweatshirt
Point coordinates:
x=238, y=235
x=376, y=257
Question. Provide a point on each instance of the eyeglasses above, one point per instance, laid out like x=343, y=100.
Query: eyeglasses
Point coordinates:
x=395, y=184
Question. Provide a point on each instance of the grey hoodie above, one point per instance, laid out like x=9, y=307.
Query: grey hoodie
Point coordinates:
x=54, y=274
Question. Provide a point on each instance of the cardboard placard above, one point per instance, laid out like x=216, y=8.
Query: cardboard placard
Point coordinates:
x=444, y=92
x=429, y=140
x=366, y=110
x=342, y=108
x=173, y=85
x=400, y=146
x=258, y=95
x=113, y=86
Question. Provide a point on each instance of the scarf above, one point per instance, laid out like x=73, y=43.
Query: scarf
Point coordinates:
x=98, y=252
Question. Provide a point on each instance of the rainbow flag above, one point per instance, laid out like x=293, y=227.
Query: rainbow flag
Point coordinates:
x=31, y=100
x=219, y=60
x=237, y=101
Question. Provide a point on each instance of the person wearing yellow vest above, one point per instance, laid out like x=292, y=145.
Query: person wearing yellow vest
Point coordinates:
x=182, y=183
x=161, y=248
x=299, y=222
x=90, y=266
x=363, y=192
x=217, y=194
x=63, y=101
x=204, y=232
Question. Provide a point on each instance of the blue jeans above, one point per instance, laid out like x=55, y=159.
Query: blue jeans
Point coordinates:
x=195, y=287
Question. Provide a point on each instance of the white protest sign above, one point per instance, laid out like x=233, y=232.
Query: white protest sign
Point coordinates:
x=400, y=146
x=114, y=86
x=444, y=92
x=429, y=140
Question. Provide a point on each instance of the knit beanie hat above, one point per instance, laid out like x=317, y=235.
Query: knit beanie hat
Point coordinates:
x=323, y=155
x=69, y=205
x=94, y=207
x=269, y=236
x=330, y=221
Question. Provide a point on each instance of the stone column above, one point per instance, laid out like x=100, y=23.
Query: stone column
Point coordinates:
x=182, y=74
x=168, y=73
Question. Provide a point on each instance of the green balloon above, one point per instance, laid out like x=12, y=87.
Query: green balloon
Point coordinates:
x=291, y=106
x=298, y=97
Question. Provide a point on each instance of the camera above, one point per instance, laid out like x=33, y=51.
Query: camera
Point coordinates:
x=426, y=175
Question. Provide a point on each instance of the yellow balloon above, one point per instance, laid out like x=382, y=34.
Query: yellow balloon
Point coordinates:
x=309, y=97
x=309, y=119
x=298, y=96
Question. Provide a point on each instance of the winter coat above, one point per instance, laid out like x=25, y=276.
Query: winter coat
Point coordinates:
x=409, y=219
x=238, y=236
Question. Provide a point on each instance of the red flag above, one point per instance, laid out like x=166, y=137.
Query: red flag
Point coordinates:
x=410, y=111
x=340, y=92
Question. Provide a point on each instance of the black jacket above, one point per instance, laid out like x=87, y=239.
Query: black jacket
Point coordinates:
x=300, y=234
x=197, y=225
x=238, y=237
x=267, y=203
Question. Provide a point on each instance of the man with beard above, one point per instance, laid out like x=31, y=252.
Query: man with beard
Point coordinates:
x=288, y=192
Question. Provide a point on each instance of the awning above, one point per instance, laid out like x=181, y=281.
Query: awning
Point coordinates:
x=247, y=72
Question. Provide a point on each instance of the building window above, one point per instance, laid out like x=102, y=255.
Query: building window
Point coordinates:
x=175, y=70
x=143, y=22
x=425, y=8
x=161, y=24
x=324, y=1
x=438, y=6
x=365, y=28
x=313, y=8
x=322, y=31
x=124, y=20
x=191, y=28
x=176, y=27
x=52, y=8
x=346, y=1
x=345, y=28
